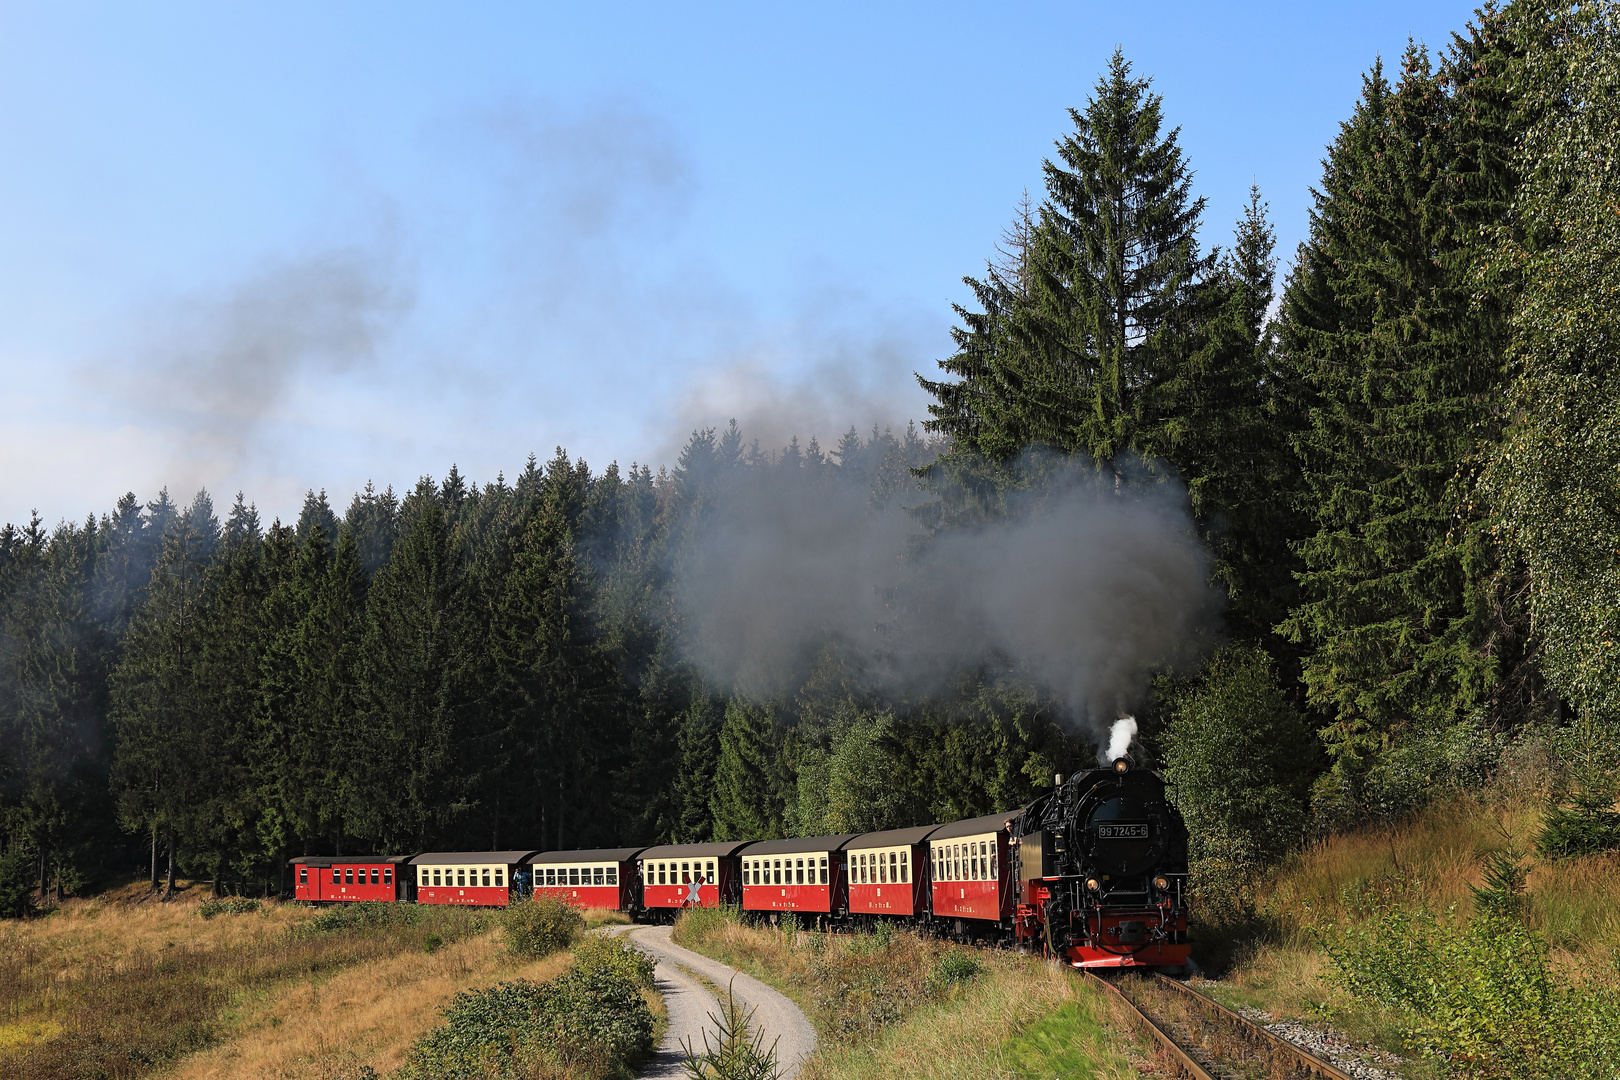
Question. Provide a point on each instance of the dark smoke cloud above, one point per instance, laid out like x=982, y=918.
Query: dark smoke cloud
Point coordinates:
x=229, y=357
x=1087, y=591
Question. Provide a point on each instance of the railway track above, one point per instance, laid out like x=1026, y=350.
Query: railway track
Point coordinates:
x=1204, y=1040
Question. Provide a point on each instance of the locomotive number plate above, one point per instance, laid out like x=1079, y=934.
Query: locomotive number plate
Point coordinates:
x=1123, y=831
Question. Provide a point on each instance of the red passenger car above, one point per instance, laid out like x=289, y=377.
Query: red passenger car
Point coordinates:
x=598, y=878
x=972, y=878
x=467, y=878
x=679, y=876
x=888, y=872
x=802, y=875
x=324, y=879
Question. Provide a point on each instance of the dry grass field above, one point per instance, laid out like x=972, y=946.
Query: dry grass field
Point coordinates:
x=122, y=986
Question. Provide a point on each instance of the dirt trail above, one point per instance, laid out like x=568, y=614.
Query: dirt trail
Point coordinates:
x=690, y=1003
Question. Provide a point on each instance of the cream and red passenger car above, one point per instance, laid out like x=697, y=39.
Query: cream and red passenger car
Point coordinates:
x=676, y=876
x=594, y=878
x=804, y=875
x=888, y=872
x=970, y=870
x=467, y=878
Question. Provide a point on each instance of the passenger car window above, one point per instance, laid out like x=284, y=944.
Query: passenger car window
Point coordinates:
x=709, y=873
x=824, y=870
x=613, y=875
x=599, y=875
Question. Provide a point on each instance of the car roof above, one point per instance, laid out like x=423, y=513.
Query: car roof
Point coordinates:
x=798, y=844
x=975, y=826
x=720, y=848
x=464, y=858
x=588, y=855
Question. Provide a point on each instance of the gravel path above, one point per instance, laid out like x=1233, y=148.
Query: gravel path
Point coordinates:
x=690, y=1003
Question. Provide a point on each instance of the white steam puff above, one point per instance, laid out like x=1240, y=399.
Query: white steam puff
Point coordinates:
x=1087, y=593
x=1119, y=739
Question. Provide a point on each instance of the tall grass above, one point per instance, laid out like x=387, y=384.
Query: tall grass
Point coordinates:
x=97, y=991
x=896, y=1002
x=1309, y=941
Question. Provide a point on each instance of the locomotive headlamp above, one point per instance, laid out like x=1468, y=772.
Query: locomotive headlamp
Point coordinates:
x=1161, y=883
x=1093, y=884
x=1121, y=765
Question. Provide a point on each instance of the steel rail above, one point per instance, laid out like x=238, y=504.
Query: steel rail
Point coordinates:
x=1189, y=1068
x=1253, y=1033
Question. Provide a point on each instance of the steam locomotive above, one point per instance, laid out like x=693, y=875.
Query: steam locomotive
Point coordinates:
x=1093, y=873
x=1103, y=872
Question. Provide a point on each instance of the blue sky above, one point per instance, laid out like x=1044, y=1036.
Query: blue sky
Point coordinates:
x=310, y=245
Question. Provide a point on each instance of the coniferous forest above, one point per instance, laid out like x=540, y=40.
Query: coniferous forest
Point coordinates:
x=1394, y=453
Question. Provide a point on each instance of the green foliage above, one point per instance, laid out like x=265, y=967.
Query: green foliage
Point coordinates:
x=541, y=925
x=1422, y=764
x=1502, y=895
x=1553, y=477
x=744, y=804
x=228, y=905
x=1478, y=997
x=738, y=1051
x=1571, y=831
x=601, y=952
x=365, y=915
x=955, y=966
x=1071, y=347
x=1395, y=358
x=1239, y=762
x=697, y=923
x=591, y=1021
x=18, y=882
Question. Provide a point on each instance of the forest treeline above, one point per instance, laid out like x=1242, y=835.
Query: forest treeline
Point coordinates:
x=1402, y=459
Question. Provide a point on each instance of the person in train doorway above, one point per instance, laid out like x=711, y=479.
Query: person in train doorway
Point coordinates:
x=521, y=880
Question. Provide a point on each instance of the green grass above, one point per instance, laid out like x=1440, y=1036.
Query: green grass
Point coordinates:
x=1063, y=1043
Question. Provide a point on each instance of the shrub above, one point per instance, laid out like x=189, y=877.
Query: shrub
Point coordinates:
x=1238, y=761
x=1479, y=998
x=590, y=1020
x=228, y=905
x=541, y=925
x=599, y=952
x=1569, y=832
x=365, y=915
x=695, y=924
x=864, y=983
x=955, y=966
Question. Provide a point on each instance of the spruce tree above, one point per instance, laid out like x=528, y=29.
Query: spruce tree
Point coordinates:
x=1076, y=364
x=1398, y=367
x=743, y=803
x=413, y=668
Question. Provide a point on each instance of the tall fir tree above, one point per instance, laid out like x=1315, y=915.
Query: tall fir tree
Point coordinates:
x=743, y=804
x=1399, y=369
x=1075, y=365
